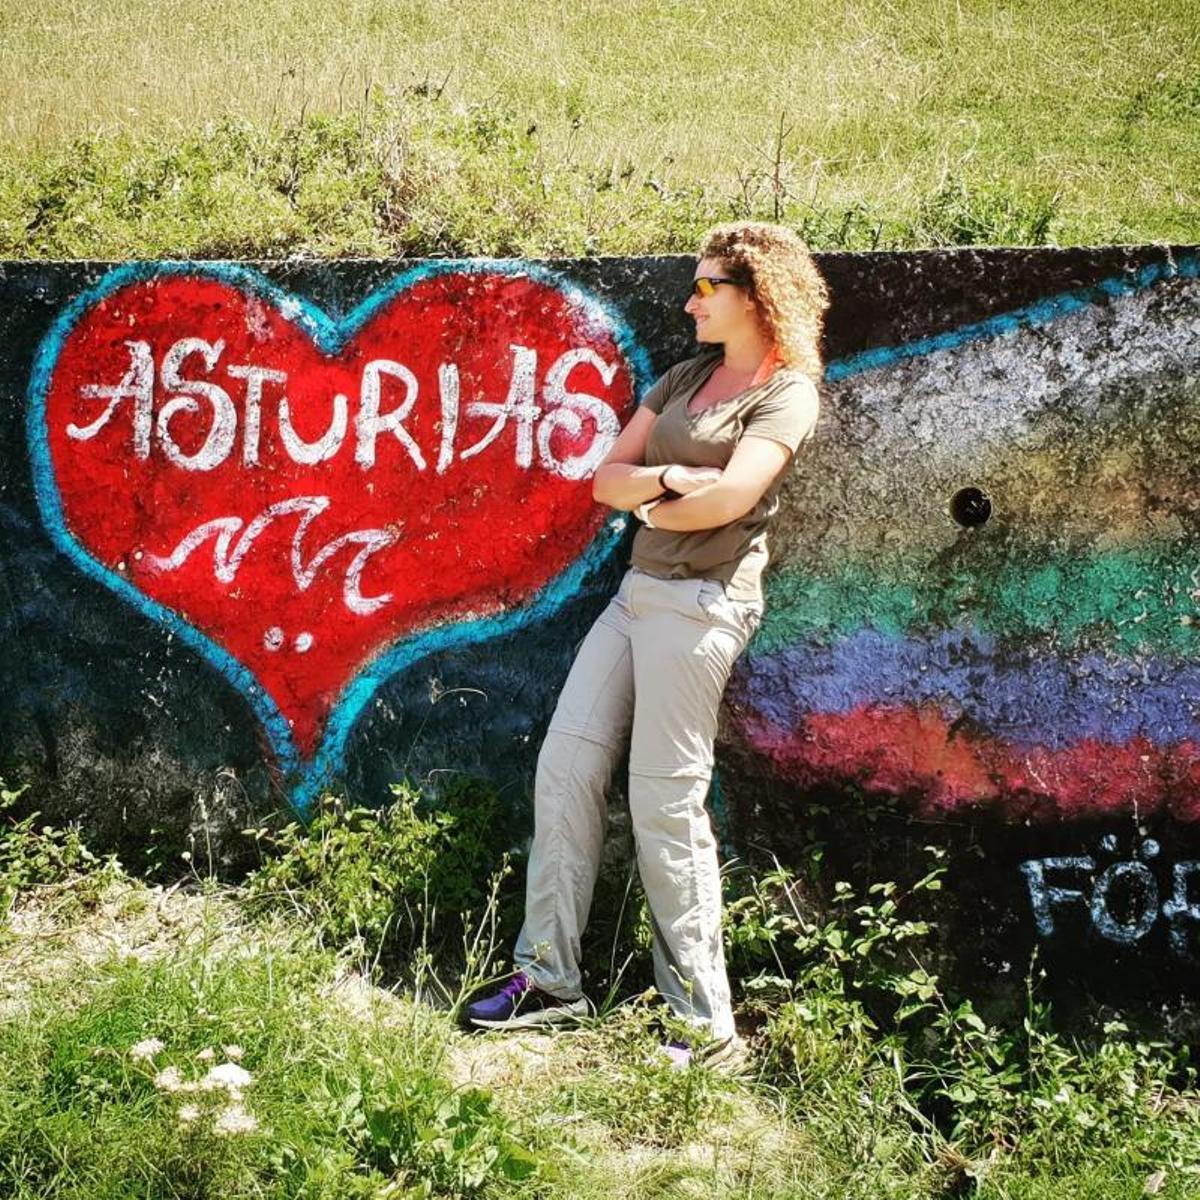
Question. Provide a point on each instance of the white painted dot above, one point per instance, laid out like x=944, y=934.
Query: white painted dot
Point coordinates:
x=273, y=638
x=303, y=642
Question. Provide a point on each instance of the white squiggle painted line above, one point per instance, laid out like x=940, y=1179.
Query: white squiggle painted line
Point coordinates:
x=227, y=556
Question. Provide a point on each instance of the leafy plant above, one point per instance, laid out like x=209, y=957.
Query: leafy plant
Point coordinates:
x=32, y=855
x=377, y=881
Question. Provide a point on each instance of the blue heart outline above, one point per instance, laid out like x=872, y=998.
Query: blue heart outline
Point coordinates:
x=305, y=778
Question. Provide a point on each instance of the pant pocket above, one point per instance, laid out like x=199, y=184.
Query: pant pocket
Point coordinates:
x=712, y=602
x=718, y=608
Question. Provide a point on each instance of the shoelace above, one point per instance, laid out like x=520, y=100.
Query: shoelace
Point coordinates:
x=516, y=986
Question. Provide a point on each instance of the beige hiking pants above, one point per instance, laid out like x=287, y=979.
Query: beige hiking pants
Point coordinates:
x=654, y=665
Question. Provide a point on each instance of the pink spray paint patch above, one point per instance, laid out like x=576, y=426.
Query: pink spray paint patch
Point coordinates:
x=916, y=752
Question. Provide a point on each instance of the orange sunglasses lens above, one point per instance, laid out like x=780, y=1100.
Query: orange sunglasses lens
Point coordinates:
x=706, y=285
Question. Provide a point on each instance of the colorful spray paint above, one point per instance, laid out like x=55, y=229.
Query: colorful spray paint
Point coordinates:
x=266, y=528
x=1044, y=662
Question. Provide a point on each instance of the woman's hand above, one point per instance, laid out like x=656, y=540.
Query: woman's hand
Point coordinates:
x=754, y=465
x=621, y=480
x=683, y=479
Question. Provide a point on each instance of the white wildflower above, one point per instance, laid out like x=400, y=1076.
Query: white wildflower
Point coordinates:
x=233, y=1053
x=207, y=1054
x=227, y=1075
x=146, y=1049
x=235, y=1119
x=169, y=1079
x=188, y=1113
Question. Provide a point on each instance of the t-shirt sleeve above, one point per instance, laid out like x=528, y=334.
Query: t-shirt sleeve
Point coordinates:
x=787, y=415
x=656, y=398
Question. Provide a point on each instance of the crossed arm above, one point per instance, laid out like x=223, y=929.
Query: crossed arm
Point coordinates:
x=713, y=497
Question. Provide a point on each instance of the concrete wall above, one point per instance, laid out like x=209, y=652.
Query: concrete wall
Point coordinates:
x=263, y=527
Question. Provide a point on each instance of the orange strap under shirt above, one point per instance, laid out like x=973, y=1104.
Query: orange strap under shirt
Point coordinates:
x=768, y=366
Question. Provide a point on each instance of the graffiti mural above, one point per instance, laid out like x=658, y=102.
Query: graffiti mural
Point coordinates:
x=313, y=504
x=987, y=588
x=1123, y=901
x=267, y=528
x=986, y=599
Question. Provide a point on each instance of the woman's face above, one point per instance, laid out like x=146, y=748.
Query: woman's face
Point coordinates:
x=728, y=310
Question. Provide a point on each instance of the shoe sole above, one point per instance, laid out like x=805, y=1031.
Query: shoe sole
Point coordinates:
x=567, y=1011
x=735, y=1062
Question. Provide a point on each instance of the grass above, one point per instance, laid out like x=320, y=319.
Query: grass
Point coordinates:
x=240, y=1040
x=334, y=1104
x=353, y=1091
x=357, y=127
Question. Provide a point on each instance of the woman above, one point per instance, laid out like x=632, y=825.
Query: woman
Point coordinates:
x=701, y=463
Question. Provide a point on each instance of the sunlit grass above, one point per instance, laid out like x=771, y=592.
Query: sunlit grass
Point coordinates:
x=255, y=1040
x=1090, y=107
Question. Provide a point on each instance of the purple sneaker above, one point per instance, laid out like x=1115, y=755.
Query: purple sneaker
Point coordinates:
x=520, y=1005
x=729, y=1055
x=680, y=1054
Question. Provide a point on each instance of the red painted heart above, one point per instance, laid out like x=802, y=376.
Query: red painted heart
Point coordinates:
x=306, y=497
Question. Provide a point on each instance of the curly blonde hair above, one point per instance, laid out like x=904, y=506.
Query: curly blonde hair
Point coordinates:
x=778, y=269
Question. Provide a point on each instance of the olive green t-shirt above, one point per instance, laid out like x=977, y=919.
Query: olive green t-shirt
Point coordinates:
x=783, y=408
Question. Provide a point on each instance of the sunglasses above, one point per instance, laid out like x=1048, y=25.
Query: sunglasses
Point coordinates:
x=706, y=285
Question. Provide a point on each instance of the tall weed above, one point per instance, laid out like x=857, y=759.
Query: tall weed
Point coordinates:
x=33, y=855
x=379, y=883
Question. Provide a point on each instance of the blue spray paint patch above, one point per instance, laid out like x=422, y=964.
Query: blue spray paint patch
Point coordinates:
x=1041, y=312
x=304, y=779
x=1022, y=695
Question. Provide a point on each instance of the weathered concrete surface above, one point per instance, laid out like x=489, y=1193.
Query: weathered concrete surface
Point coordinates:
x=207, y=593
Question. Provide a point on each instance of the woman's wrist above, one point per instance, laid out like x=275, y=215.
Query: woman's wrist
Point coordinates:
x=643, y=512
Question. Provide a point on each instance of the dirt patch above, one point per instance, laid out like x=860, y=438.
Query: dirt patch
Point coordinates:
x=504, y=1060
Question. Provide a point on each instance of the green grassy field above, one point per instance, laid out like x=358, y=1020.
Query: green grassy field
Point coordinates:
x=294, y=1034
x=608, y=128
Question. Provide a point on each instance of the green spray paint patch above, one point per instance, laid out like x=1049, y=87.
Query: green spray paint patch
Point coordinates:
x=1130, y=601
